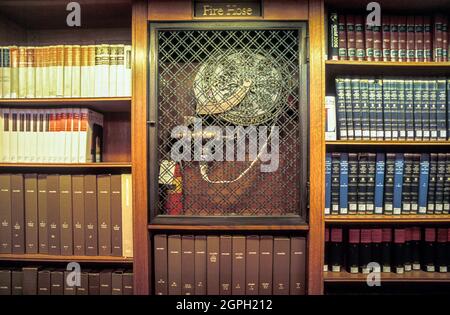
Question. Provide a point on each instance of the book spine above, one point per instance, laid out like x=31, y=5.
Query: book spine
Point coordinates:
x=356, y=102
x=200, y=265
x=330, y=107
x=419, y=38
x=31, y=214
x=281, y=250
x=409, y=109
x=327, y=183
x=379, y=183
x=369, y=43
x=68, y=69
x=187, y=266
x=31, y=72
x=398, y=183
x=379, y=109
x=406, y=192
x=76, y=71
x=341, y=109
x=359, y=38
x=252, y=265
x=365, y=249
x=362, y=183
x=212, y=265
x=66, y=214
x=389, y=183
x=336, y=249
x=417, y=85
x=351, y=37
x=432, y=183
x=447, y=185
x=410, y=39
x=415, y=184
x=238, y=265
x=59, y=71
x=441, y=110
x=105, y=282
x=121, y=71
x=53, y=219
x=342, y=36
x=128, y=77
x=423, y=182
x=78, y=214
x=448, y=108
x=426, y=109
x=7, y=71
x=42, y=214
x=14, y=86
x=394, y=109
x=225, y=264
x=370, y=185
x=394, y=28
x=127, y=215
x=333, y=33
x=377, y=43
x=445, y=39
x=343, y=183
x=429, y=249
x=372, y=110
x=402, y=34
x=116, y=215
x=298, y=266
x=5, y=214
x=427, y=44
x=354, y=236
x=365, y=109
x=335, y=182
x=18, y=214
x=23, y=71
x=387, y=112
x=440, y=182
x=433, y=94
x=349, y=108
x=174, y=264
x=437, y=36
x=401, y=113
x=352, y=183
x=386, y=28
x=399, y=250
x=266, y=259
x=113, y=70
x=90, y=215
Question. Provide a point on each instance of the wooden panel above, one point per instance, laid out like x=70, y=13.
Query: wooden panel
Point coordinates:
x=102, y=165
x=170, y=10
x=316, y=147
x=141, y=240
x=61, y=258
x=286, y=10
x=117, y=137
x=11, y=33
x=157, y=227
x=395, y=219
x=413, y=276
x=80, y=36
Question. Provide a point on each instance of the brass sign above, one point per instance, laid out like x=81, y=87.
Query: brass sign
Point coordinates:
x=227, y=10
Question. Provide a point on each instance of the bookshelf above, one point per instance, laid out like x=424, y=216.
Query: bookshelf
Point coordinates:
x=408, y=277
x=394, y=219
x=44, y=24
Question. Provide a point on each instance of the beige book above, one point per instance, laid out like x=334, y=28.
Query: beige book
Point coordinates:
x=52, y=76
x=6, y=72
x=5, y=151
x=31, y=72
x=39, y=70
x=128, y=74
x=120, y=82
x=28, y=140
x=127, y=215
x=113, y=67
x=33, y=137
x=76, y=71
x=68, y=65
x=2, y=53
x=68, y=125
x=23, y=71
x=75, y=134
x=84, y=71
x=2, y=132
x=46, y=72
x=91, y=71
x=13, y=135
x=40, y=140
x=61, y=135
x=102, y=70
x=14, y=54
x=21, y=137
x=59, y=71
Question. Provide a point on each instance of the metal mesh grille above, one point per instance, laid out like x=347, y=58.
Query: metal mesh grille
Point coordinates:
x=269, y=61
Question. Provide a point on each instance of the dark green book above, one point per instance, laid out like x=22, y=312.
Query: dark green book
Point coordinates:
x=372, y=110
x=349, y=108
x=389, y=183
x=440, y=183
x=362, y=183
x=447, y=185
x=365, y=110
x=370, y=192
x=425, y=109
x=356, y=100
x=387, y=113
x=406, y=191
x=415, y=184
x=394, y=110
x=333, y=41
x=379, y=108
x=441, y=109
x=335, y=171
x=340, y=108
x=432, y=183
x=401, y=110
x=409, y=109
x=418, y=110
x=352, y=183
x=432, y=84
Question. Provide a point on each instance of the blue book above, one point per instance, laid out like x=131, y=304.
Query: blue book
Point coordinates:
x=327, y=183
x=423, y=182
x=398, y=182
x=343, y=182
x=379, y=183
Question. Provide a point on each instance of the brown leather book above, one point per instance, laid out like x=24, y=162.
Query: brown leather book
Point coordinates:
x=252, y=265
x=65, y=208
x=351, y=37
x=225, y=264
x=57, y=282
x=174, y=264
x=410, y=31
x=17, y=282
x=5, y=282
x=17, y=214
x=281, y=265
x=419, y=44
x=116, y=282
x=5, y=214
x=53, y=220
x=68, y=290
x=200, y=265
x=106, y=282
x=127, y=280
x=386, y=31
x=342, y=35
x=394, y=22
x=402, y=34
x=359, y=38
x=160, y=252
x=212, y=265
x=116, y=215
x=83, y=289
x=42, y=214
x=298, y=266
x=104, y=214
x=265, y=264
x=187, y=267
x=90, y=214
x=30, y=277
x=427, y=41
x=238, y=266
x=44, y=282
x=78, y=214
x=94, y=283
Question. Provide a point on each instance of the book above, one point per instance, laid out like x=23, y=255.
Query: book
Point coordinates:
x=348, y=94
x=238, y=265
x=394, y=30
x=386, y=34
x=105, y=282
x=212, y=266
x=266, y=259
x=359, y=38
x=90, y=215
x=342, y=37
x=174, y=264
x=66, y=219
x=160, y=256
x=351, y=37
x=399, y=250
x=333, y=49
x=336, y=249
x=362, y=183
x=429, y=250
x=343, y=184
x=354, y=237
x=225, y=264
x=31, y=214
x=188, y=265
x=281, y=250
x=78, y=203
x=352, y=183
x=43, y=214
x=127, y=215
x=328, y=183
x=432, y=183
x=116, y=215
x=17, y=214
x=398, y=183
x=379, y=183
x=252, y=265
x=335, y=182
x=200, y=265
x=5, y=214
x=104, y=214
x=402, y=35
x=298, y=266
x=330, y=106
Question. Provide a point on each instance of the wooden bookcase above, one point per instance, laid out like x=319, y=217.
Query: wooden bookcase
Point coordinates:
x=26, y=23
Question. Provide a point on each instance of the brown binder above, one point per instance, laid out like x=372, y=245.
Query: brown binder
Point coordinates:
x=200, y=265
x=31, y=214
x=104, y=214
x=65, y=208
x=116, y=282
x=42, y=214
x=298, y=262
x=252, y=265
x=116, y=215
x=53, y=214
x=30, y=276
x=83, y=289
x=160, y=252
x=105, y=282
x=5, y=282
x=174, y=264
x=238, y=266
x=17, y=214
x=187, y=267
x=212, y=265
x=78, y=214
x=281, y=261
x=16, y=282
x=127, y=280
x=57, y=282
x=68, y=290
x=5, y=214
x=265, y=265
x=94, y=283
x=225, y=264
x=90, y=214
x=44, y=282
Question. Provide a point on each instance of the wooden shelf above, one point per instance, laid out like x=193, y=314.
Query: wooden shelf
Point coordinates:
x=413, y=218
x=412, y=276
x=158, y=227
x=387, y=64
x=56, y=258
x=102, y=104
x=66, y=165
x=385, y=143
